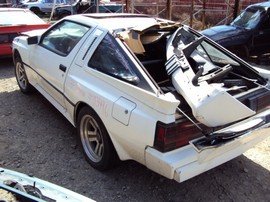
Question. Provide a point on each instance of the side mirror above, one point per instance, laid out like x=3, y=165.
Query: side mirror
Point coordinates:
x=32, y=40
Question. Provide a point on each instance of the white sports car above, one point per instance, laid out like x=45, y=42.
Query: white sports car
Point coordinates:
x=147, y=89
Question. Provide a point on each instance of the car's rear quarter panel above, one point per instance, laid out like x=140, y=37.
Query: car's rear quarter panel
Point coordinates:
x=102, y=93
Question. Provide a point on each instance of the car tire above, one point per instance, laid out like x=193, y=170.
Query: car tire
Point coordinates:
x=21, y=76
x=95, y=141
x=62, y=15
x=36, y=10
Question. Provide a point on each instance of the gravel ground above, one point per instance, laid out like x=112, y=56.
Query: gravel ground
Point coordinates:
x=36, y=139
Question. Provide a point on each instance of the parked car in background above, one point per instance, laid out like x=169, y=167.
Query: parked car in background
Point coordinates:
x=147, y=89
x=77, y=7
x=14, y=21
x=86, y=6
x=248, y=34
x=5, y=3
x=41, y=6
x=15, y=186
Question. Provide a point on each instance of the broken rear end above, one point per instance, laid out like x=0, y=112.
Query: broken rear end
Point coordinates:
x=224, y=103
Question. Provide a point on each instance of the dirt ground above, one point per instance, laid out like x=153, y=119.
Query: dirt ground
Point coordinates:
x=36, y=139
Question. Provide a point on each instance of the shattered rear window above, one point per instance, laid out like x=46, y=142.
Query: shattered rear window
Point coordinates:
x=109, y=58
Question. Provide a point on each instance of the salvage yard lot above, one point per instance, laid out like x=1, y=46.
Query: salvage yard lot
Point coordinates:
x=36, y=139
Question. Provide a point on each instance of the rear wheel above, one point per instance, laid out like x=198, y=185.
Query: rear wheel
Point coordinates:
x=95, y=141
x=21, y=76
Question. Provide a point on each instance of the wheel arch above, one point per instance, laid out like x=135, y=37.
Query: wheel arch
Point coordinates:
x=63, y=14
x=119, y=150
x=35, y=9
x=15, y=54
x=79, y=106
x=77, y=110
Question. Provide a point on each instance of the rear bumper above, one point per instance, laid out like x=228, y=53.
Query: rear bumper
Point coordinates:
x=187, y=162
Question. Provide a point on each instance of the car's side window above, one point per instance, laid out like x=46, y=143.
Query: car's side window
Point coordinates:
x=109, y=58
x=52, y=1
x=62, y=38
x=49, y=1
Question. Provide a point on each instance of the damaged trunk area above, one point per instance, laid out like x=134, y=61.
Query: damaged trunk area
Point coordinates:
x=215, y=88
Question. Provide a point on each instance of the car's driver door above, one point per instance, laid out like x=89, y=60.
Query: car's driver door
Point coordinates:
x=53, y=57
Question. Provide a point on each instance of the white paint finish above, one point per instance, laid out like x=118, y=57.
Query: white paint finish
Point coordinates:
x=130, y=112
x=122, y=109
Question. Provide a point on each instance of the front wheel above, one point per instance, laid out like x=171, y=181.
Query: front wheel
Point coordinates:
x=36, y=10
x=21, y=76
x=95, y=141
x=62, y=15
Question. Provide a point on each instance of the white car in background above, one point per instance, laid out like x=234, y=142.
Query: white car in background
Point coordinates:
x=147, y=89
x=41, y=6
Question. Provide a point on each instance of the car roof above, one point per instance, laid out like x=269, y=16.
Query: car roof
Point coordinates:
x=262, y=4
x=115, y=21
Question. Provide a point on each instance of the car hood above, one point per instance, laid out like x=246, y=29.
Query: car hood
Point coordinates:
x=223, y=32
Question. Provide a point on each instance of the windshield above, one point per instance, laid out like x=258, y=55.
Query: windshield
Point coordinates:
x=211, y=53
x=249, y=18
x=19, y=18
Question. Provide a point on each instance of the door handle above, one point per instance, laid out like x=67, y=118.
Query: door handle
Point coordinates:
x=62, y=68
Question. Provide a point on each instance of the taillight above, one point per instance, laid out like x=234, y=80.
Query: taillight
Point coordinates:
x=174, y=135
